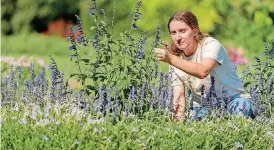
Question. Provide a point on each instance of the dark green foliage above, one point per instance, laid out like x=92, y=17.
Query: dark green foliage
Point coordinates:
x=19, y=16
x=245, y=24
x=153, y=132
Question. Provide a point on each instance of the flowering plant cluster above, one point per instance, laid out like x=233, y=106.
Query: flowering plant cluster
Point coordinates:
x=125, y=64
x=121, y=76
x=236, y=56
x=22, y=61
x=124, y=99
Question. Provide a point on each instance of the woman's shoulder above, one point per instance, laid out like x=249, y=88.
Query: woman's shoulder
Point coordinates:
x=210, y=39
x=211, y=42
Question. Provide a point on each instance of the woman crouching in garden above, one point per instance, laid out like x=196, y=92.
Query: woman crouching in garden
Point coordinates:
x=194, y=59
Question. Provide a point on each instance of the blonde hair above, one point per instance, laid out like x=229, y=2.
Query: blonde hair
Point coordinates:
x=191, y=20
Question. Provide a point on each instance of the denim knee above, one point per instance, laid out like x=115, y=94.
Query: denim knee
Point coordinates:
x=240, y=107
x=198, y=113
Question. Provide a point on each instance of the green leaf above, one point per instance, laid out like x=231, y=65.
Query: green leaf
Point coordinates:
x=92, y=28
x=91, y=87
x=74, y=74
x=85, y=60
x=246, y=84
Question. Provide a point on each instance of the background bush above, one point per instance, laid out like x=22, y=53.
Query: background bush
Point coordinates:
x=245, y=24
x=27, y=16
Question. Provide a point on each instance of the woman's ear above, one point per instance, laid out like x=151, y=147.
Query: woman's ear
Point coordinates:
x=196, y=31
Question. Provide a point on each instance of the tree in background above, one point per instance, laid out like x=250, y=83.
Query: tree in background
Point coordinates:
x=245, y=23
x=26, y=16
x=153, y=11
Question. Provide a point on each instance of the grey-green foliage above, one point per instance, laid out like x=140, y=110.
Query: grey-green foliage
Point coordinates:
x=122, y=62
x=19, y=15
x=259, y=81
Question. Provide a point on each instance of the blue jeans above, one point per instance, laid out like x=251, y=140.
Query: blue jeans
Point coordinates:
x=238, y=107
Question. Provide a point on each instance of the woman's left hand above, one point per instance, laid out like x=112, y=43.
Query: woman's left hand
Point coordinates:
x=162, y=54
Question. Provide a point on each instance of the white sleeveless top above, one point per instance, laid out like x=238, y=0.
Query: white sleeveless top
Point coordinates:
x=223, y=72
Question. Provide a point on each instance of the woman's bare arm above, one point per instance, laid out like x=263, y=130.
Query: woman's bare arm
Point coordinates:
x=199, y=70
x=179, y=103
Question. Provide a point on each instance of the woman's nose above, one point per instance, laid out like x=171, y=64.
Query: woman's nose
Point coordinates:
x=178, y=36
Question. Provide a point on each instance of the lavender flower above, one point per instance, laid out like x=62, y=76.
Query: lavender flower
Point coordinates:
x=46, y=138
x=19, y=72
x=61, y=87
x=27, y=86
x=246, y=70
x=235, y=66
x=134, y=130
x=170, y=99
x=97, y=131
x=140, y=73
x=80, y=28
x=152, y=95
x=23, y=121
x=32, y=73
x=102, y=11
x=161, y=81
x=161, y=97
x=77, y=142
x=136, y=15
x=202, y=95
x=109, y=103
x=126, y=108
x=82, y=101
x=33, y=113
x=211, y=96
x=54, y=83
x=92, y=10
x=142, y=94
x=102, y=101
x=155, y=70
x=254, y=96
x=132, y=95
x=269, y=87
x=96, y=41
x=260, y=82
x=155, y=93
x=165, y=97
x=140, y=53
x=72, y=39
x=116, y=107
x=46, y=85
x=238, y=145
x=6, y=88
x=11, y=78
x=157, y=37
x=37, y=90
x=226, y=98
x=72, y=47
x=95, y=121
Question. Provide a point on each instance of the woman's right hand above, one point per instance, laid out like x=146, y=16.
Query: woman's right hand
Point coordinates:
x=162, y=55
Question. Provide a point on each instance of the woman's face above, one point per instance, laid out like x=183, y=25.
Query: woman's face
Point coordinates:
x=182, y=35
